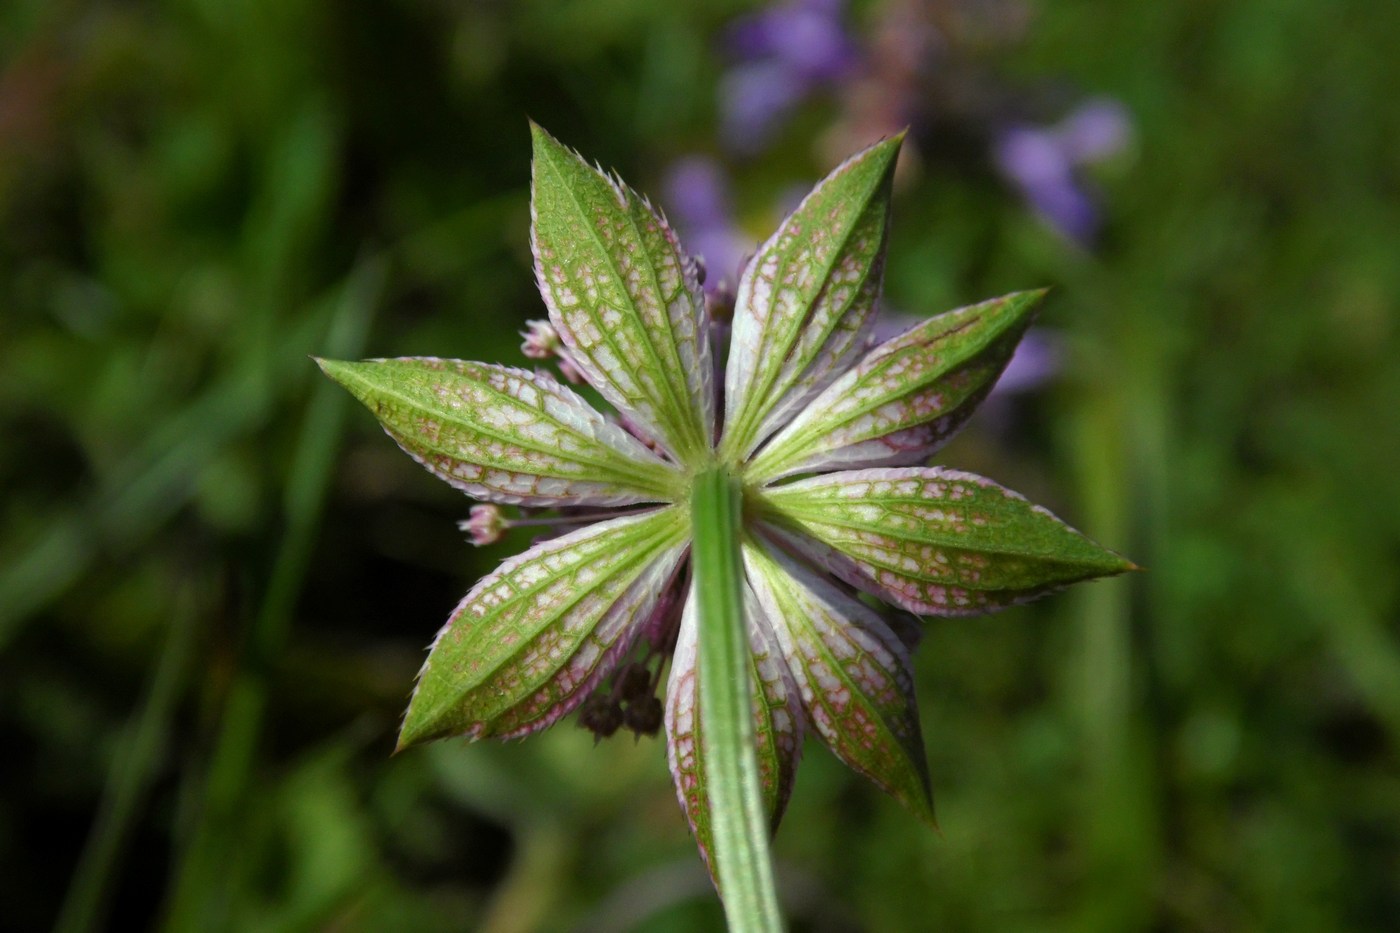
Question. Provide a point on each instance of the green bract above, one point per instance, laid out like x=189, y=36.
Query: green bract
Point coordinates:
x=813, y=487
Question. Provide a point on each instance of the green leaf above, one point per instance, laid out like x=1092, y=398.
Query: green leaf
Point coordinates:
x=853, y=673
x=624, y=297
x=727, y=765
x=906, y=398
x=505, y=435
x=806, y=298
x=934, y=541
x=531, y=640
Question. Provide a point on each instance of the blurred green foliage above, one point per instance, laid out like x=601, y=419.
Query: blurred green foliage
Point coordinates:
x=216, y=582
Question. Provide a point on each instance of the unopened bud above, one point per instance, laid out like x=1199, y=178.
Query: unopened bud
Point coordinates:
x=643, y=716
x=633, y=681
x=484, y=526
x=541, y=340
x=601, y=716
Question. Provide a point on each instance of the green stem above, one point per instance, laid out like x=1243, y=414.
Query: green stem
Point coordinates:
x=739, y=830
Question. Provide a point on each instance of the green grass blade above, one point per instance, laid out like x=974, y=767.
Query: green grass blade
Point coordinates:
x=129, y=782
x=201, y=887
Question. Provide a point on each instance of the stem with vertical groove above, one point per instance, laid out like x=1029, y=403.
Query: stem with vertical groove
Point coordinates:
x=739, y=829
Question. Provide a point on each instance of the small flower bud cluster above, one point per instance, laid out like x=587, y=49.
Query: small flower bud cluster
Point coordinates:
x=484, y=525
x=542, y=342
x=631, y=702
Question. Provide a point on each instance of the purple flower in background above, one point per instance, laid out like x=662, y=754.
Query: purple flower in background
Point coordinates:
x=784, y=53
x=922, y=65
x=1096, y=130
x=753, y=98
x=697, y=192
x=1045, y=164
x=806, y=35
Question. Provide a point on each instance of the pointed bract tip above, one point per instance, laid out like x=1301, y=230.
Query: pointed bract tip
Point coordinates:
x=1116, y=563
x=542, y=144
x=883, y=152
x=347, y=374
x=335, y=369
x=1023, y=302
x=546, y=149
x=1113, y=565
x=1028, y=303
x=542, y=141
x=887, y=148
x=409, y=738
x=925, y=811
x=409, y=735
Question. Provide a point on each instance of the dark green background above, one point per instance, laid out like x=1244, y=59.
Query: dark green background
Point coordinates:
x=217, y=579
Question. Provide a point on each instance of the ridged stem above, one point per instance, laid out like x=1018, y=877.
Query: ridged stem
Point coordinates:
x=739, y=847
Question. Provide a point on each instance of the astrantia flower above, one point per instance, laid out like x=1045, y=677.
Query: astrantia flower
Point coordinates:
x=826, y=436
